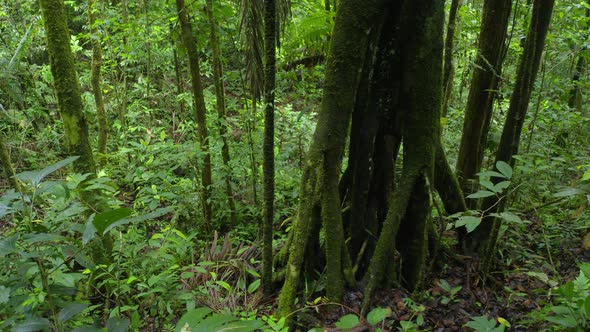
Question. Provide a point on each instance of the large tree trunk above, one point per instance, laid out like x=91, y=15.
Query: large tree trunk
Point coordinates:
x=485, y=235
x=268, y=165
x=66, y=84
x=221, y=115
x=420, y=101
x=95, y=78
x=319, y=185
x=484, y=83
x=199, y=109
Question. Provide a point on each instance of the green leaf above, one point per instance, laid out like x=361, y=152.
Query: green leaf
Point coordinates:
x=504, y=168
x=492, y=174
x=35, y=177
x=501, y=186
x=585, y=177
x=469, y=222
x=103, y=220
x=70, y=310
x=42, y=237
x=8, y=245
x=569, y=192
x=254, y=286
x=89, y=230
x=488, y=184
x=481, y=324
x=347, y=322
x=32, y=324
x=242, y=326
x=152, y=215
x=481, y=194
x=4, y=210
x=378, y=314
x=223, y=284
x=118, y=324
x=511, y=217
x=192, y=318
x=4, y=294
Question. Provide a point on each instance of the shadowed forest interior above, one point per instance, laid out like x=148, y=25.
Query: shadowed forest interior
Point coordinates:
x=294, y=165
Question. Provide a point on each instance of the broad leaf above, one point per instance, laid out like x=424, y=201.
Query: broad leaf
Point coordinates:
x=192, y=318
x=469, y=222
x=482, y=323
x=347, y=322
x=481, y=194
x=118, y=324
x=242, y=326
x=569, y=192
x=8, y=245
x=501, y=186
x=35, y=177
x=378, y=314
x=32, y=324
x=70, y=310
x=504, y=168
x=152, y=215
x=103, y=220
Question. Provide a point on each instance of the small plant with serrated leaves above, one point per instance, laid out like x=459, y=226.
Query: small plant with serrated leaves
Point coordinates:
x=451, y=292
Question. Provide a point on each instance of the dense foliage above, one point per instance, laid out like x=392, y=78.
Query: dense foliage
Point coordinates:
x=146, y=244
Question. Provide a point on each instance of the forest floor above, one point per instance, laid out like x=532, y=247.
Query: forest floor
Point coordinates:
x=456, y=292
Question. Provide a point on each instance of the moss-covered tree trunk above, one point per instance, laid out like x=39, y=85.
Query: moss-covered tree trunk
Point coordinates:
x=420, y=101
x=221, y=114
x=66, y=85
x=484, y=83
x=485, y=235
x=268, y=165
x=6, y=164
x=95, y=78
x=449, y=67
x=199, y=109
x=319, y=184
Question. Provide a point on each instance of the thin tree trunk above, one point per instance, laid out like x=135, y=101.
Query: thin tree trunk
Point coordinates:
x=268, y=165
x=95, y=78
x=67, y=86
x=221, y=114
x=199, y=109
x=485, y=235
x=6, y=163
x=484, y=83
x=449, y=67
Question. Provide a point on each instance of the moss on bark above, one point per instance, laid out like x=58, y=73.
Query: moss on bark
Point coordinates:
x=348, y=44
x=199, y=109
x=66, y=85
x=483, y=86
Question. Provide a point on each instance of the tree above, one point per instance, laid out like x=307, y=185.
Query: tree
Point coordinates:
x=199, y=109
x=485, y=236
x=67, y=86
x=6, y=164
x=449, y=68
x=482, y=90
x=221, y=114
x=96, y=78
x=406, y=109
x=268, y=147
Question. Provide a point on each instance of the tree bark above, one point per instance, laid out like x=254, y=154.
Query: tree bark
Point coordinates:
x=221, y=114
x=200, y=110
x=95, y=78
x=66, y=85
x=420, y=102
x=485, y=236
x=449, y=68
x=319, y=184
x=6, y=163
x=484, y=84
x=268, y=165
